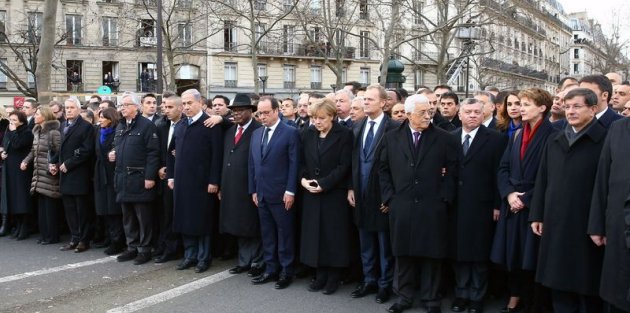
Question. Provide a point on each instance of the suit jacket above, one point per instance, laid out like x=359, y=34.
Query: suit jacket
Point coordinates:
x=77, y=149
x=418, y=187
x=367, y=215
x=605, y=120
x=275, y=172
x=450, y=125
x=472, y=226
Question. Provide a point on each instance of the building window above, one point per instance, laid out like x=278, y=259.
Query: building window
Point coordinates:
x=364, y=44
x=185, y=34
x=184, y=4
x=316, y=34
x=34, y=26
x=3, y=29
x=261, y=69
x=418, y=78
x=576, y=53
x=364, y=76
x=339, y=8
x=417, y=11
x=316, y=6
x=110, y=31
x=289, y=76
x=146, y=34
x=73, y=29
x=229, y=36
x=576, y=68
x=287, y=5
x=147, y=73
x=340, y=38
x=260, y=5
x=72, y=67
x=30, y=80
x=316, y=77
x=230, y=72
x=110, y=75
x=288, y=34
x=3, y=76
x=344, y=74
x=363, y=9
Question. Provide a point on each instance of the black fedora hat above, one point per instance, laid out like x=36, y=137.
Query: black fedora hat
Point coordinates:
x=242, y=100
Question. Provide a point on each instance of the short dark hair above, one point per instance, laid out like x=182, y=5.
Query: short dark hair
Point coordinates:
x=146, y=96
x=316, y=95
x=355, y=86
x=225, y=99
x=443, y=87
x=403, y=92
x=500, y=98
x=491, y=88
x=21, y=116
x=168, y=94
x=561, y=82
x=274, y=102
x=110, y=103
x=590, y=98
x=97, y=97
x=33, y=103
x=601, y=81
x=398, y=96
x=292, y=101
x=450, y=95
x=111, y=114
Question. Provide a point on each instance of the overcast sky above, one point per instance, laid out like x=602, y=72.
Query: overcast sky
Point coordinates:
x=607, y=12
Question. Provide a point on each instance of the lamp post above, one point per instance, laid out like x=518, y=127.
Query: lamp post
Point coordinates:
x=158, y=33
x=263, y=79
x=334, y=87
x=468, y=33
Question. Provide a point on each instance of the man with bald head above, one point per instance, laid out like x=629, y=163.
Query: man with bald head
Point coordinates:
x=417, y=171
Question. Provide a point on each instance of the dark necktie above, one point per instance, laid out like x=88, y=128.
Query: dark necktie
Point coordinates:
x=65, y=129
x=466, y=144
x=368, y=139
x=239, y=134
x=416, y=139
x=190, y=121
x=265, y=140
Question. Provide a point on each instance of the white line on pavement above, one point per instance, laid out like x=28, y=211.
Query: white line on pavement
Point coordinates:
x=45, y=271
x=171, y=293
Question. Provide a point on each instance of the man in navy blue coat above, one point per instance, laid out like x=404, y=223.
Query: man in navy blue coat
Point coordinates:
x=273, y=173
x=194, y=177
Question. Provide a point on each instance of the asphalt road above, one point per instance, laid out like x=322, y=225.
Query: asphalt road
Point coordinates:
x=35, y=278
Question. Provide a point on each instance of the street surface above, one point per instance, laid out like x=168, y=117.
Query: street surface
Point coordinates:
x=35, y=278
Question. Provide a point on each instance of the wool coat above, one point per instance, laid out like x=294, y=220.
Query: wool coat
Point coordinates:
x=16, y=198
x=104, y=192
x=326, y=216
x=76, y=152
x=46, y=144
x=610, y=215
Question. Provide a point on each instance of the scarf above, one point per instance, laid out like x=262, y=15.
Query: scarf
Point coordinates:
x=528, y=135
x=104, y=133
x=512, y=128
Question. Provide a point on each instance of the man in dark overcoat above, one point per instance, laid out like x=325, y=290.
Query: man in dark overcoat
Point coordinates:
x=195, y=176
x=569, y=263
x=238, y=213
x=417, y=169
x=75, y=153
x=478, y=202
x=137, y=156
x=609, y=218
x=364, y=195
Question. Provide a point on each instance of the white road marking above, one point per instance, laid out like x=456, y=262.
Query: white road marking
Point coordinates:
x=45, y=271
x=171, y=293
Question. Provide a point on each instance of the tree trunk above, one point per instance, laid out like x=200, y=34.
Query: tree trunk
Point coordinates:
x=45, y=53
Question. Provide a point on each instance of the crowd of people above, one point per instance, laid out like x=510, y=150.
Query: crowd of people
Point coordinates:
x=411, y=195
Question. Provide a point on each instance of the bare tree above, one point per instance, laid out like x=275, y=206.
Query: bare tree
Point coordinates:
x=46, y=51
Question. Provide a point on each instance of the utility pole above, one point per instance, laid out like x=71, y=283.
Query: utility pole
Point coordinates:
x=160, y=87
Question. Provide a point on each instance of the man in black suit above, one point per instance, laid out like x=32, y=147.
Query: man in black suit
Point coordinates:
x=417, y=171
x=370, y=215
x=478, y=201
x=449, y=106
x=167, y=240
x=149, y=107
x=238, y=213
x=137, y=156
x=273, y=173
x=29, y=108
x=343, y=99
x=487, y=100
x=77, y=147
x=602, y=87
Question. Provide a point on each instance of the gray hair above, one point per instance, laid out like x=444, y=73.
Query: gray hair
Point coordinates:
x=132, y=96
x=194, y=92
x=485, y=93
x=347, y=92
x=410, y=103
x=75, y=101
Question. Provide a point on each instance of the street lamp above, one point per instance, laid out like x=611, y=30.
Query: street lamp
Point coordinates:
x=468, y=33
x=263, y=79
x=334, y=87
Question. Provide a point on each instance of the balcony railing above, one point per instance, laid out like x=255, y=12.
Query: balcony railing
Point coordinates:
x=231, y=83
x=147, y=41
x=306, y=50
x=514, y=68
x=289, y=85
x=316, y=85
x=230, y=46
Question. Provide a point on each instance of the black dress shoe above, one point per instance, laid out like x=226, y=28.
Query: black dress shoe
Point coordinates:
x=264, y=278
x=255, y=271
x=143, y=257
x=316, y=285
x=434, y=309
x=383, y=295
x=398, y=308
x=186, y=264
x=284, y=281
x=238, y=269
x=165, y=258
x=127, y=256
x=363, y=290
x=475, y=307
x=68, y=246
x=459, y=305
x=101, y=244
x=331, y=287
x=202, y=267
x=114, y=249
x=81, y=247
x=517, y=308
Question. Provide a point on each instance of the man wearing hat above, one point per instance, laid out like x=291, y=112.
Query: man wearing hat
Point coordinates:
x=238, y=213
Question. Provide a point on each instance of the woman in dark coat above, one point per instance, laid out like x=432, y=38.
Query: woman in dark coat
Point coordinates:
x=515, y=247
x=4, y=125
x=326, y=217
x=569, y=263
x=45, y=183
x=104, y=193
x=16, y=198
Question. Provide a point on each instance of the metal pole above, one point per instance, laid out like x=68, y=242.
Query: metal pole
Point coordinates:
x=160, y=87
x=467, y=73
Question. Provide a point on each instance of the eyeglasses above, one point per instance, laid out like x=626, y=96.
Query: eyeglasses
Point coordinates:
x=265, y=112
x=574, y=107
